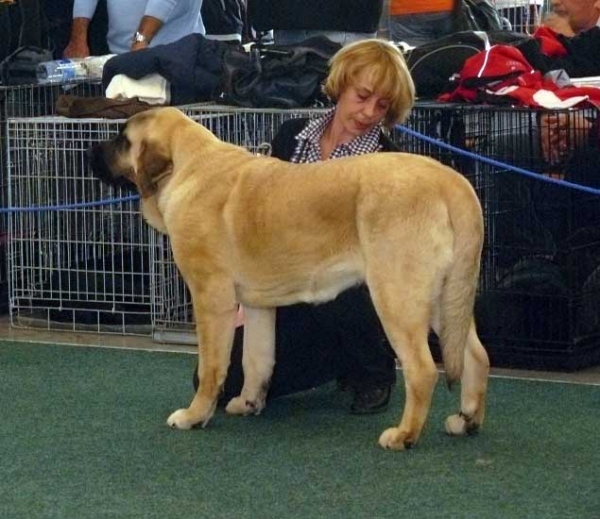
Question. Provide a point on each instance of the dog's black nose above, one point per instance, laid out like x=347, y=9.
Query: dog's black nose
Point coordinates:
x=94, y=159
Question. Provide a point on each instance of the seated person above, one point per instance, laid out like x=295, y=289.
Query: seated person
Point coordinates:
x=134, y=25
x=341, y=339
x=59, y=14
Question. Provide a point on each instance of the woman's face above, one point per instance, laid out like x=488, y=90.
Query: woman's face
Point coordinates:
x=360, y=107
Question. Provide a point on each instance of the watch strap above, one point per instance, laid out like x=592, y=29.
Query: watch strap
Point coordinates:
x=140, y=38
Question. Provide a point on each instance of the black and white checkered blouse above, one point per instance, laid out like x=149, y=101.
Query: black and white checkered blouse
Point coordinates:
x=308, y=148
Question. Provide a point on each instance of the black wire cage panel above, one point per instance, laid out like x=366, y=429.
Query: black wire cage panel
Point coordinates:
x=539, y=293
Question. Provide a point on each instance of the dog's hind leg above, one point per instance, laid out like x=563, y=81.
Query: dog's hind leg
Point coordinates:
x=258, y=361
x=215, y=313
x=473, y=388
x=404, y=314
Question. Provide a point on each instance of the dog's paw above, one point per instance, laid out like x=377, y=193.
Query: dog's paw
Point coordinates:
x=460, y=425
x=181, y=419
x=394, y=439
x=241, y=406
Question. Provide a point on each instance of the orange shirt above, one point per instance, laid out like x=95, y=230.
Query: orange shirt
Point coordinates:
x=398, y=7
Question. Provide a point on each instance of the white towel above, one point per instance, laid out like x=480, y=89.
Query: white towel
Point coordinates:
x=152, y=89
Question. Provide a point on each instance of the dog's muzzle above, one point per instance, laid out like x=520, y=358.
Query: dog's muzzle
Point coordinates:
x=96, y=158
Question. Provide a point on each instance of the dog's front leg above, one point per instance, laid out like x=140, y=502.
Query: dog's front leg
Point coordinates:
x=258, y=361
x=215, y=323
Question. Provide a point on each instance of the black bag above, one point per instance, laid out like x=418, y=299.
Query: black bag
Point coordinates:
x=531, y=295
x=223, y=18
x=477, y=15
x=20, y=67
x=277, y=76
x=432, y=65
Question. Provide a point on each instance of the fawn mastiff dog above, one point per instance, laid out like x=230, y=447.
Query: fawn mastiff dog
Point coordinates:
x=266, y=233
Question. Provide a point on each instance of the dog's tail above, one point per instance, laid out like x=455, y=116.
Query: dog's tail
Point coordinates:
x=460, y=286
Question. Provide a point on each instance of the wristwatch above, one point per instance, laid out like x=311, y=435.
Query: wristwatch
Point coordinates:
x=140, y=38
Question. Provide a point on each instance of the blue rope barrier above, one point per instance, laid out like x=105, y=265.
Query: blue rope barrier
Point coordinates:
x=497, y=163
x=80, y=205
x=404, y=129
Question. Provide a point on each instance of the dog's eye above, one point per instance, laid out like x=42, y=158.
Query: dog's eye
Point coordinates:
x=122, y=141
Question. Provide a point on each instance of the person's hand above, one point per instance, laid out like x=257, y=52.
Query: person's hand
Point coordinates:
x=562, y=132
x=139, y=45
x=76, y=50
x=559, y=24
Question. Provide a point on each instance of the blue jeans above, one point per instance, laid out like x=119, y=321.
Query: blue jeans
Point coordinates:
x=422, y=28
x=288, y=37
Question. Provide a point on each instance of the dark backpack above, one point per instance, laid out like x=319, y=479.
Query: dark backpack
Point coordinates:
x=477, y=15
x=432, y=65
x=223, y=17
x=20, y=67
x=277, y=76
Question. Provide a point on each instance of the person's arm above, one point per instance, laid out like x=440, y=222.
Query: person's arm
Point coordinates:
x=561, y=133
x=284, y=143
x=146, y=30
x=83, y=10
x=559, y=24
x=156, y=14
x=78, y=43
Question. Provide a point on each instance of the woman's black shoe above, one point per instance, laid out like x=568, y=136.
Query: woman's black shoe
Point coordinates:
x=371, y=401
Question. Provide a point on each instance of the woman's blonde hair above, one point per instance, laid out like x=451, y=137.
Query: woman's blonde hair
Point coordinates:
x=385, y=67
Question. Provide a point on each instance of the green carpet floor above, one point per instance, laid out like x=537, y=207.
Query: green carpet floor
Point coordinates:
x=83, y=435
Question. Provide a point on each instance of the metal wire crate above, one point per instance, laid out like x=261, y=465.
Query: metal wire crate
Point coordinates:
x=534, y=307
x=26, y=101
x=77, y=268
x=522, y=15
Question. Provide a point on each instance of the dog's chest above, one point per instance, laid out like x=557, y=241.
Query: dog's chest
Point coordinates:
x=315, y=284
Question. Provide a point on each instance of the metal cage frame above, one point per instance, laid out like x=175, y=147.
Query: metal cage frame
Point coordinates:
x=26, y=101
x=531, y=226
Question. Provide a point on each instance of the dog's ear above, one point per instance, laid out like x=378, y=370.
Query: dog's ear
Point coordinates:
x=153, y=165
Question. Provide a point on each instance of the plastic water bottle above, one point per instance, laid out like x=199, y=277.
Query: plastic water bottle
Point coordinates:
x=61, y=71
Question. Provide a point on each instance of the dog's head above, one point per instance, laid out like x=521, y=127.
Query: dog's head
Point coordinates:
x=140, y=156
